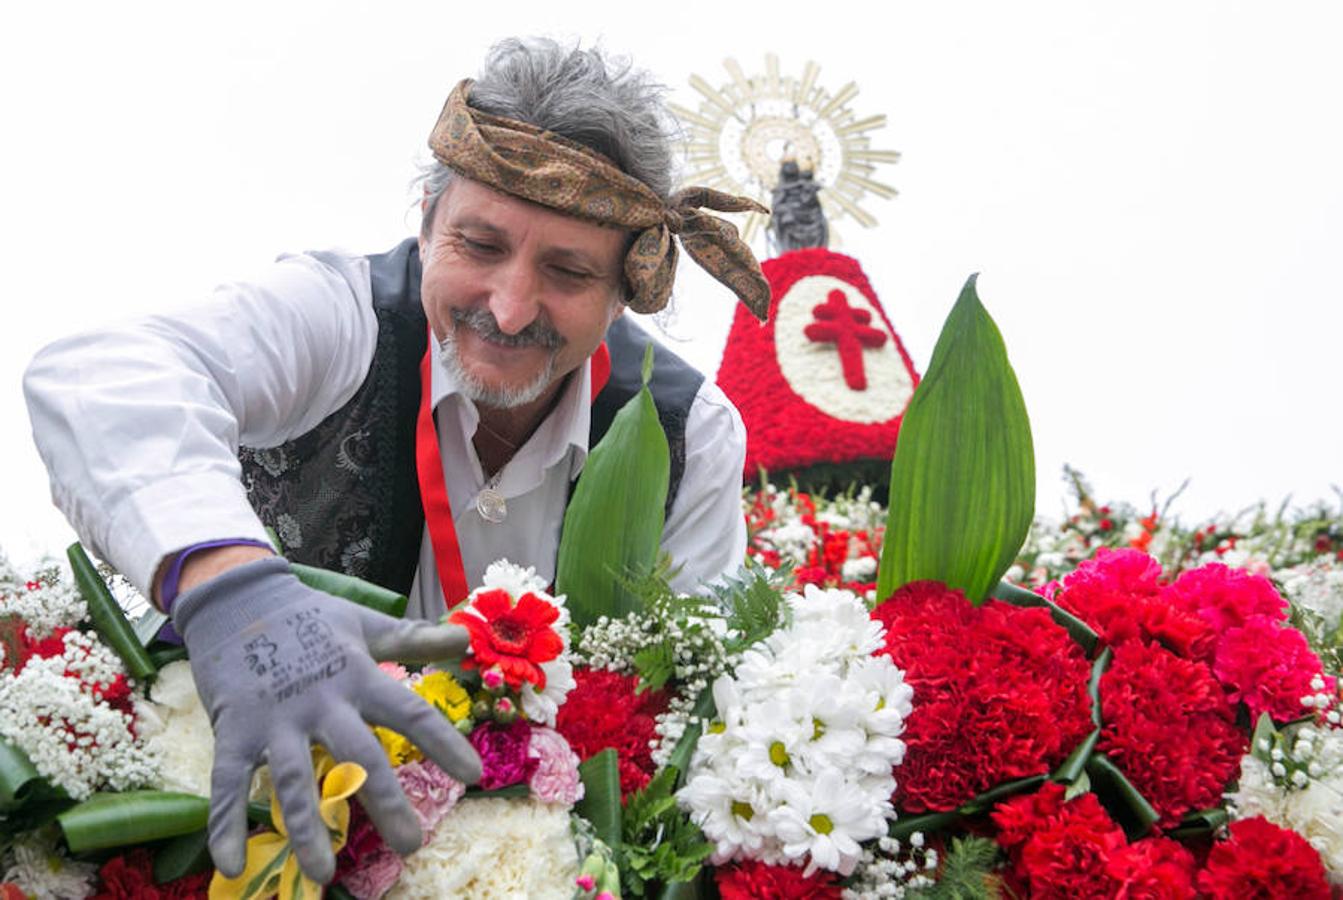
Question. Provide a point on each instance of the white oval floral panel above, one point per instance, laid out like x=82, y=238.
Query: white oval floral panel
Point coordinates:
x=842, y=359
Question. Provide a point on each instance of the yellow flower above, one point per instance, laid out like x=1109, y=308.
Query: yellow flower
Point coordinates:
x=442, y=691
x=271, y=866
x=398, y=748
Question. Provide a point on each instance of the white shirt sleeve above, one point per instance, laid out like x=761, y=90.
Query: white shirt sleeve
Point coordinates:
x=139, y=425
x=706, y=531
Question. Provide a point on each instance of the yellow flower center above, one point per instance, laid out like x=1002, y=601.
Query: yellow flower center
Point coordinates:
x=778, y=754
x=742, y=810
x=821, y=824
x=817, y=728
x=717, y=727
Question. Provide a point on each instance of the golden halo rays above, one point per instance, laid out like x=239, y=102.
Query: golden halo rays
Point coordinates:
x=739, y=135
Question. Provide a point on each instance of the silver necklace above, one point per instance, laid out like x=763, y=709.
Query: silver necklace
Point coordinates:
x=490, y=503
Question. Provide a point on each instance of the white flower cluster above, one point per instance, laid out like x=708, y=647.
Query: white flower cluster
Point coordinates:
x=797, y=767
x=177, y=732
x=890, y=869
x=76, y=740
x=539, y=706
x=611, y=644
x=792, y=539
x=44, y=607
x=1316, y=586
x=1299, y=785
x=492, y=848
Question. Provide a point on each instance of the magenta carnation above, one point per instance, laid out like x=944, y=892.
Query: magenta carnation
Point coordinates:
x=1268, y=667
x=556, y=777
x=503, y=753
x=1226, y=598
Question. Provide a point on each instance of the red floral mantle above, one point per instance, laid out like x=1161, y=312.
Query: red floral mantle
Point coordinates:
x=812, y=394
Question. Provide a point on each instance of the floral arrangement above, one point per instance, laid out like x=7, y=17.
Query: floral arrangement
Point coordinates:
x=937, y=699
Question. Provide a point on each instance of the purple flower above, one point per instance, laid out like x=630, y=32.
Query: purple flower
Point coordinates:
x=503, y=753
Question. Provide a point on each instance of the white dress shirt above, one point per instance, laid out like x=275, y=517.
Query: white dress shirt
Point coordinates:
x=139, y=426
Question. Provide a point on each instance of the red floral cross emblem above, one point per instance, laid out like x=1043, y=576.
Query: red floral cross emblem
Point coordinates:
x=849, y=330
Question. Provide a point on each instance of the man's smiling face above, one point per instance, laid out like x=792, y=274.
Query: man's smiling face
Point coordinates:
x=518, y=295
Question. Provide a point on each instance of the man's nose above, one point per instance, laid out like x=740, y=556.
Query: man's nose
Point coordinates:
x=515, y=299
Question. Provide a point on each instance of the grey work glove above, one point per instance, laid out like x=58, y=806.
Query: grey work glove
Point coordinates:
x=280, y=666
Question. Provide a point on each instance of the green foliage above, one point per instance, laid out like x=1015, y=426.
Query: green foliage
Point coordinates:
x=131, y=817
x=963, y=478
x=751, y=603
x=966, y=872
x=662, y=846
x=614, y=522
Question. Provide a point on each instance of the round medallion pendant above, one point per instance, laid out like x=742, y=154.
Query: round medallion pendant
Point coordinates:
x=491, y=506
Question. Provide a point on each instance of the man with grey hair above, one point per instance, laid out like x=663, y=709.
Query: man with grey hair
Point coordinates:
x=408, y=417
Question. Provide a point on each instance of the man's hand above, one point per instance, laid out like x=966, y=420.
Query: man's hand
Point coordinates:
x=280, y=666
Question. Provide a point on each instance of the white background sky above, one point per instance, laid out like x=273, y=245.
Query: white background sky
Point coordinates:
x=1151, y=191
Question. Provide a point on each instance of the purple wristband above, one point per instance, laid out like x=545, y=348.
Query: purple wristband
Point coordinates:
x=168, y=590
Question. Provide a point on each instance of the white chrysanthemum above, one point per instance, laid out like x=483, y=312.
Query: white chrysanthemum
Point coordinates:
x=832, y=624
x=517, y=580
x=38, y=867
x=494, y=849
x=731, y=812
x=178, y=731
x=771, y=740
x=825, y=820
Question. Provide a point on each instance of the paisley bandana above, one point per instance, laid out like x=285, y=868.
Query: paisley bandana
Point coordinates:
x=546, y=168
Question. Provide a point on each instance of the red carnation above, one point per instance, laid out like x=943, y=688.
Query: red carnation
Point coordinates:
x=1260, y=861
x=1152, y=869
x=752, y=880
x=1169, y=728
x=973, y=728
x=131, y=877
x=516, y=638
x=603, y=711
x=1226, y=598
x=1059, y=848
x=1268, y=667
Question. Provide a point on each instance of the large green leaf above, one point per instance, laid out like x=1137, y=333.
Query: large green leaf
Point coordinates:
x=963, y=477
x=131, y=817
x=601, y=797
x=356, y=590
x=614, y=522
x=107, y=615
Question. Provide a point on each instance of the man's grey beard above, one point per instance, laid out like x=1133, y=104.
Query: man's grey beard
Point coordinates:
x=482, y=322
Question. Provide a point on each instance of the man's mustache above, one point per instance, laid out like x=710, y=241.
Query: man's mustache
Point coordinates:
x=483, y=323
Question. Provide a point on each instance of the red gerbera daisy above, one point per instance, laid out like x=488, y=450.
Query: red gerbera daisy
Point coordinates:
x=515, y=637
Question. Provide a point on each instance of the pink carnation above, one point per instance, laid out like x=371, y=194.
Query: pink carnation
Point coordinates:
x=556, y=777
x=503, y=753
x=375, y=875
x=431, y=792
x=1267, y=666
x=1226, y=598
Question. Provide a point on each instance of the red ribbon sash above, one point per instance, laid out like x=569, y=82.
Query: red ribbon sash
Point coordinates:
x=434, y=490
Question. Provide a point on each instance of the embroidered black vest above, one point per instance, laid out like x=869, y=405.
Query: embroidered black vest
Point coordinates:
x=345, y=495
